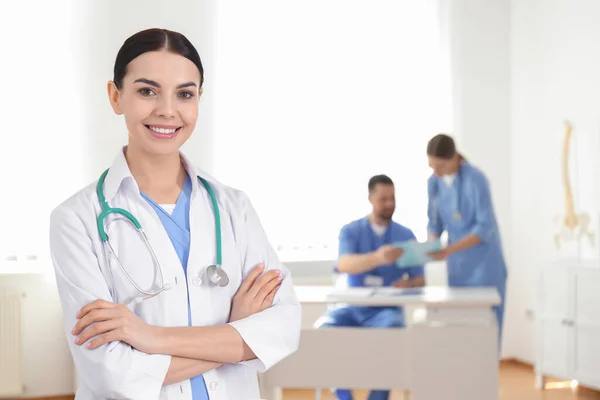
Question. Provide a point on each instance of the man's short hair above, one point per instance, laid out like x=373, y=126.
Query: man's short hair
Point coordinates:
x=383, y=179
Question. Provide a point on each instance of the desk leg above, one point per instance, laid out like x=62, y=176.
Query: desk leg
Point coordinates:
x=540, y=381
x=274, y=393
x=277, y=394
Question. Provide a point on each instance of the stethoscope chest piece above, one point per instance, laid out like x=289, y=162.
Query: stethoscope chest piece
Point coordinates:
x=217, y=275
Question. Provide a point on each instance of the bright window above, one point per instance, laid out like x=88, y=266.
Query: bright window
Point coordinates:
x=41, y=150
x=316, y=96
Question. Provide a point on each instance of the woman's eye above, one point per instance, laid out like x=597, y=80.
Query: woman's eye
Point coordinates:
x=186, y=95
x=146, y=92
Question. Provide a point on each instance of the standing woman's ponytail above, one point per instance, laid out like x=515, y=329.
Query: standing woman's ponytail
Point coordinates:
x=443, y=146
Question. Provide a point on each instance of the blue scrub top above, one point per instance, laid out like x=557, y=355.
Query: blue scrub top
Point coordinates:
x=480, y=265
x=177, y=226
x=358, y=237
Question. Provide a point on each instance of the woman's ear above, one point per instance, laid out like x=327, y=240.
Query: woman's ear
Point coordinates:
x=114, y=97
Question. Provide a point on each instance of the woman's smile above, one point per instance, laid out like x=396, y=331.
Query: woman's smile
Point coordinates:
x=163, y=131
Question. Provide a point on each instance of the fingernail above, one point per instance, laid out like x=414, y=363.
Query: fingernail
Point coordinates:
x=261, y=266
x=88, y=345
x=77, y=340
x=73, y=331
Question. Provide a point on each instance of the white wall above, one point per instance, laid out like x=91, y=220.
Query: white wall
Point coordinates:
x=555, y=75
x=520, y=68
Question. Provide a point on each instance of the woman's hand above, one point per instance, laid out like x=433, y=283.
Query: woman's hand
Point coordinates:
x=256, y=293
x=108, y=322
x=441, y=254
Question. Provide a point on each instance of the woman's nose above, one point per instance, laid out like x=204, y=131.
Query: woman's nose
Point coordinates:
x=165, y=107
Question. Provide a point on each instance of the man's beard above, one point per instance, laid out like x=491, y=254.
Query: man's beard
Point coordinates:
x=385, y=216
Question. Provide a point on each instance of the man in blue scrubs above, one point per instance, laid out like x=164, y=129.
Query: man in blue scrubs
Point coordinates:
x=367, y=258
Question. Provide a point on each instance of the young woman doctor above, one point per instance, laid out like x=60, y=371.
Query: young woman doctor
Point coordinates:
x=198, y=303
x=460, y=203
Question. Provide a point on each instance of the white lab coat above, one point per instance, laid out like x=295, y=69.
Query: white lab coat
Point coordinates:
x=118, y=371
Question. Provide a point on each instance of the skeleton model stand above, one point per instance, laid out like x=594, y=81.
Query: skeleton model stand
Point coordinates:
x=571, y=225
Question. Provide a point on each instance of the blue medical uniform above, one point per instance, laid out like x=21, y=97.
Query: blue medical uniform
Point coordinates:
x=177, y=226
x=358, y=237
x=480, y=265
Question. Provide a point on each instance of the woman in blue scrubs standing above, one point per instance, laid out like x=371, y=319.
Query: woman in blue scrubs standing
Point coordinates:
x=460, y=203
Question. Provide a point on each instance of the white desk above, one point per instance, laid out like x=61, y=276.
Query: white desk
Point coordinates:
x=449, y=352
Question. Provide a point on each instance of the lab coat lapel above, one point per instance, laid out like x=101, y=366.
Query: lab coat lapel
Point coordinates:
x=130, y=198
x=132, y=251
x=202, y=233
x=202, y=222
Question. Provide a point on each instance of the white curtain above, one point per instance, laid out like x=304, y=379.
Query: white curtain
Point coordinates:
x=41, y=149
x=314, y=97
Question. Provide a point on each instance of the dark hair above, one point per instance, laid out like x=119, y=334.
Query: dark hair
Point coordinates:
x=442, y=146
x=383, y=179
x=154, y=40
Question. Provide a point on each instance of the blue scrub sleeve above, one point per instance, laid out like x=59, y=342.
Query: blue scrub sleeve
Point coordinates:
x=434, y=224
x=484, y=214
x=348, y=243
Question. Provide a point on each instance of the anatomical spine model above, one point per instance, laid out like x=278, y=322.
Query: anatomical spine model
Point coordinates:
x=571, y=225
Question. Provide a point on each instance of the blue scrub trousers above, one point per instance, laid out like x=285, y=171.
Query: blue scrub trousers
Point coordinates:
x=366, y=317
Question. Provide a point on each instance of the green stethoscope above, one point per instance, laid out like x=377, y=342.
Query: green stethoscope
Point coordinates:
x=215, y=273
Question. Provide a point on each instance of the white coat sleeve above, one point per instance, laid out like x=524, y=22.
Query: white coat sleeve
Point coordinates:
x=274, y=333
x=114, y=370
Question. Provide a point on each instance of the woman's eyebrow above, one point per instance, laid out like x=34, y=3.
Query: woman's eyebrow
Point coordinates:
x=148, y=82
x=156, y=84
x=188, y=84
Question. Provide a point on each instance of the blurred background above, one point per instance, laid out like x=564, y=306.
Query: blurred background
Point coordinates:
x=311, y=99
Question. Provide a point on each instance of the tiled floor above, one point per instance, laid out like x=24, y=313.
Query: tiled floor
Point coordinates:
x=516, y=383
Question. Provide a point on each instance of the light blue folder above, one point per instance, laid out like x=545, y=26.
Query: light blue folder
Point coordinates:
x=416, y=253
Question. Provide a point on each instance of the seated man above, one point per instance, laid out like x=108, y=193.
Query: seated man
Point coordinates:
x=367, y=258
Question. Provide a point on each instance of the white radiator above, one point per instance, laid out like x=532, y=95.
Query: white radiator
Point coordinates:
x=11, y=316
